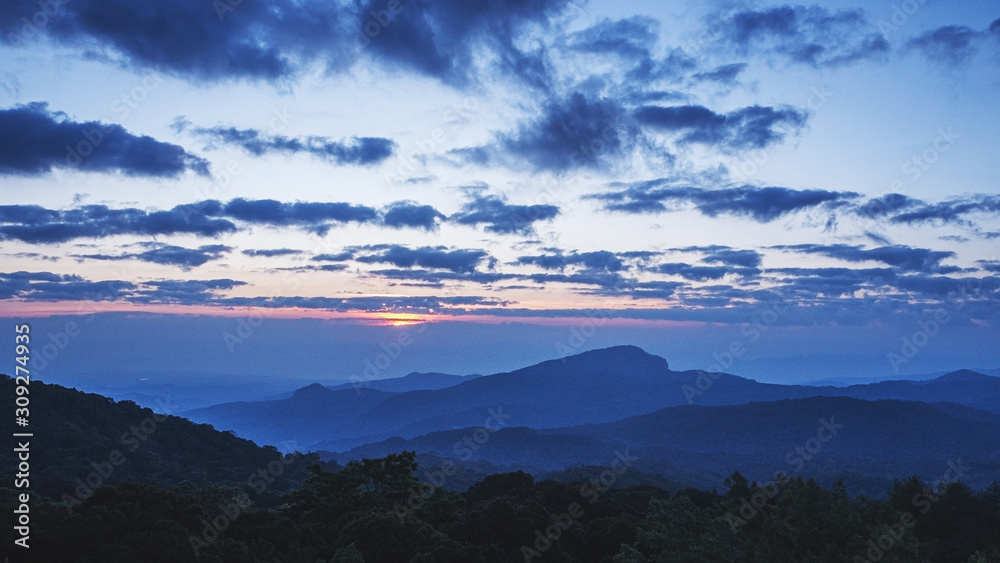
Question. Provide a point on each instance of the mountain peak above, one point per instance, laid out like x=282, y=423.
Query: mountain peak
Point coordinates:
x=965, y=375
x=628, y=359
x=626, y=352
x=312, y=390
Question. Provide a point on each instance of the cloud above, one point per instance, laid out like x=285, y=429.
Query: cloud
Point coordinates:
x=271, y=253
x=809, y=35
x=887, y=204
x=949, y=211
x=437, y=278
x=410, y=214
x=204, y=41
x=760, y=204
x=694, y=273
x=436, y=257
x=630, y=38
x=990, y=265
x=186, y=258
x=36, y=224
x=726, y=74
x=363, y=151
x=580, y=131
x=951, y=44
x=501, y=217
x=731, y=257
x=183, y=291
x=905, y=258
x=209, y=218
x=316, y=216
x=34, y=140
x=340, y=257
x=449, y=39
x=809, y=283
x=754, y=127
x=598, y=260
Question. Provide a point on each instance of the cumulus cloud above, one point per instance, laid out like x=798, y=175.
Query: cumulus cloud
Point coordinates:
x=171, y=255
x=760, y=204
x=501, y=217
x=754, y=127
x=811, y=35
x=34, y=140
x=362, y=151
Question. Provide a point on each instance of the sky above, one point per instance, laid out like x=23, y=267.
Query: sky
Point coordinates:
x=787, y=191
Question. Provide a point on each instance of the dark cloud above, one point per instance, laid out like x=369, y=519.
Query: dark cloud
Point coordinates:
x=362, y=151
x=203, y=40
x=578, y=132
x=950, y=211
x=437, y=278
x=46, y=286
x=810, y=282
x=435, y=257
x=753, y=127
x=995, y=27
x=725, y=74
x=34, y=140
x=339, y=257
x=447, y=39
x=809, y=35
x=209, y=218
x=183, y=292
x=694, y=273
x=501, y=217
x=886, y=205
x=761, y=204
x=905, y=258
x=599, y=260
x=951, y=44
x=410, y=214
x=35, y=224
x=989, y=265
x=316, y=216
x=731, y=257
x=271, y=253
x=630, y=38
x=186, y=258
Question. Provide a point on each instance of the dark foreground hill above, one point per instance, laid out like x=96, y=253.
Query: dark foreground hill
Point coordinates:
x=181, y=496
x=82, y=437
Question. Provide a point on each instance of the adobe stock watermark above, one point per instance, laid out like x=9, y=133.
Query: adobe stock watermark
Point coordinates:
x=796, y=459
x=453, y=117
x=131, y=440
x=464, y=449
x=754, y=162
x=377, y=366
x=750, y=333
x=891, y=534
x=591, y=491
x=31, y=27
x=928, y=328
x=240, y=503
x=122, y=106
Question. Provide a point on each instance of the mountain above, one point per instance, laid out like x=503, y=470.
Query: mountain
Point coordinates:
x=313, y=413
x=593, y=387
x=415, y=381
x=866, y=443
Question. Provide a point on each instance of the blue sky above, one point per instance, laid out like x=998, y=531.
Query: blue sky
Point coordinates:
x=510, y=168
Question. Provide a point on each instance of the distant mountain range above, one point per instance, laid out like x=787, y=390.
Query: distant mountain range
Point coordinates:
x=593, y=387
x=580, y=410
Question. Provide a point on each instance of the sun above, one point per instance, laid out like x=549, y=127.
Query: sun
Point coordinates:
x=402, y=319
